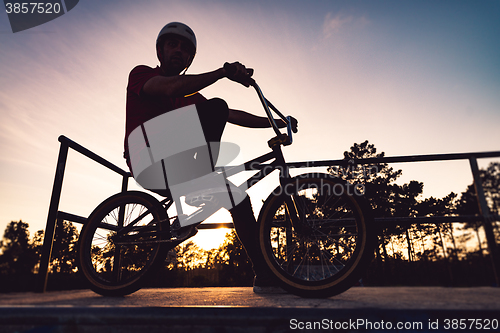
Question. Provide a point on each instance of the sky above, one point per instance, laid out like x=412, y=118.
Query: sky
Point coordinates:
x=412, y=77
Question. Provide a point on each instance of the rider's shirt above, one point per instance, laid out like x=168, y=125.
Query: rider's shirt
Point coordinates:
x=142, y=107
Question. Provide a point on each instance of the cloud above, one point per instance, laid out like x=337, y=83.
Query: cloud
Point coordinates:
x=333, y=25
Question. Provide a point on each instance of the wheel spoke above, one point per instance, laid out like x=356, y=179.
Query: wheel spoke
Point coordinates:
x=113, y=267
x=324, y=246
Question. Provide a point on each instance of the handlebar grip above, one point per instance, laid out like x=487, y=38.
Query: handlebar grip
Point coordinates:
x=289, y=128
x=232, y=70
x=251, y=82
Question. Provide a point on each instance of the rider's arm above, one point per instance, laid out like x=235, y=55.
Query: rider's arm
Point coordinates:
x=245, y=119
x=181, y=85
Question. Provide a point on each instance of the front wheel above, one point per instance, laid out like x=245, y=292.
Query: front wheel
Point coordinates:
x=121, y=243
x=316, y=236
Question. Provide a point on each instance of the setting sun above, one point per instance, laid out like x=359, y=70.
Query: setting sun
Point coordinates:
x=209, y=239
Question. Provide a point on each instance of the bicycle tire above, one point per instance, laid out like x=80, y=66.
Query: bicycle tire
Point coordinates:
x=329, y=249
x=114, y=267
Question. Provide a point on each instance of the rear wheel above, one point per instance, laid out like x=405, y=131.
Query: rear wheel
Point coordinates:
x=121, y=243
x=316, y=236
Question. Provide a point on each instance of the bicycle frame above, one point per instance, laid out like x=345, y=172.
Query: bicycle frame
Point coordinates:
x=258, y=163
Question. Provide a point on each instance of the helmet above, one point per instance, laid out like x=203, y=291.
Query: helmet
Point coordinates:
x=179, y=29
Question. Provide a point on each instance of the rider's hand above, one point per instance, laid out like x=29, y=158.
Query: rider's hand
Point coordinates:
x=238, y=73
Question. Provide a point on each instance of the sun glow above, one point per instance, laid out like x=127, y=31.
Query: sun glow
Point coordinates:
x=209, y=239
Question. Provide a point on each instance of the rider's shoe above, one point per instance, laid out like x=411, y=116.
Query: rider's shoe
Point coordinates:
x=265, y=285
x=185, y=233
x=182, y=233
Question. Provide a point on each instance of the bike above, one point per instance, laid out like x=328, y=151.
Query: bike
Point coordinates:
x=315, y=230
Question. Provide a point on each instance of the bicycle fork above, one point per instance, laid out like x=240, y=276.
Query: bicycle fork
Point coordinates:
x=293, y=209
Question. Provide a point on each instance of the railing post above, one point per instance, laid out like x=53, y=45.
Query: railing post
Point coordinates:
x=125, y=183
x=50, y=228
x=487, y=221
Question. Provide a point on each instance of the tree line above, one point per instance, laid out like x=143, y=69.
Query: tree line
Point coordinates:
x=435, y=254
x=418, y=254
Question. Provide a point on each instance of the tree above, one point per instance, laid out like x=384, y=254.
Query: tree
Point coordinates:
x=378, y=179
x=232, y=261
x=467, y=204
x=189, y=256
x=386, y=198
x=491, y=185
x=440, y=232
x=63, y=258
x=19, y=256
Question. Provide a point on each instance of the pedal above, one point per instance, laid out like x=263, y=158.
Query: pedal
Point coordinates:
x=182, y=233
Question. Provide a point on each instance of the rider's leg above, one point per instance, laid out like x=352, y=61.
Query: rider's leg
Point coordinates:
x=213, y=116
x=248, y=233
x=196, y=162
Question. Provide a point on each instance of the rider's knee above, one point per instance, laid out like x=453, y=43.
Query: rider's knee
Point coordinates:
x=218, y=102
x=219, y=107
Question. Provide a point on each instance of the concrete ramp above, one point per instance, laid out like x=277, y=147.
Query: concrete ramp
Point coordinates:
x=240, y=310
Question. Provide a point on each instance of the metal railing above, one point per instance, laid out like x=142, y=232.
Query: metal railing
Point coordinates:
x=485, y=217
x=54, y=213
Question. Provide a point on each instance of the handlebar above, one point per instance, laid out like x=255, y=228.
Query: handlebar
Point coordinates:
x=285, y=139
x=267, y=104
